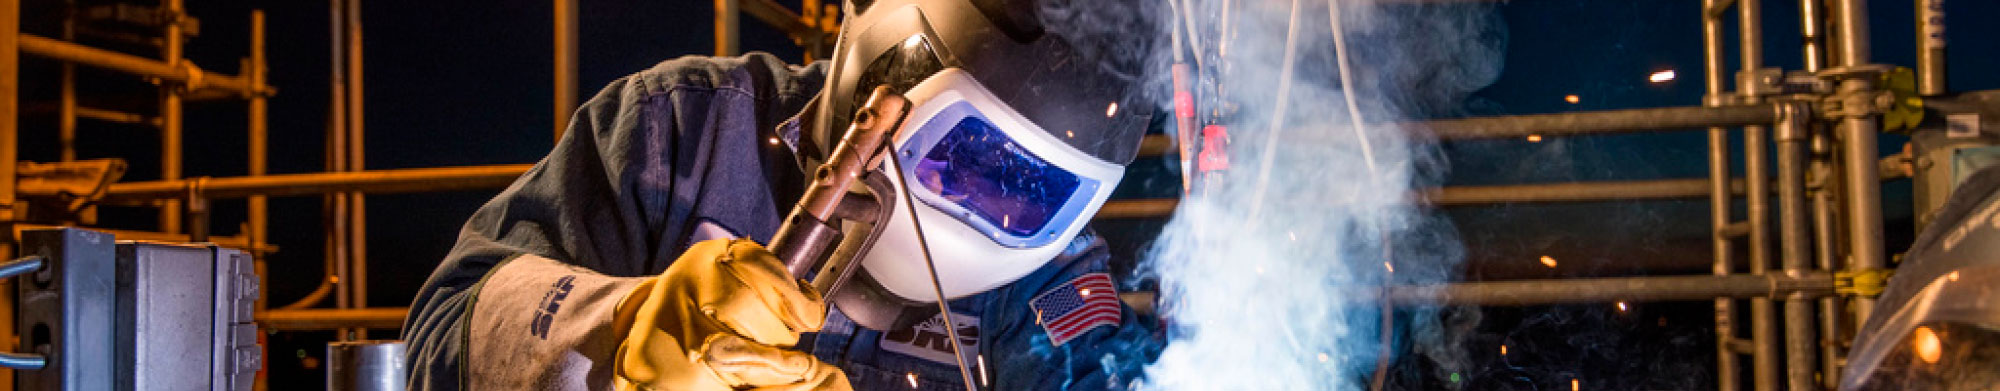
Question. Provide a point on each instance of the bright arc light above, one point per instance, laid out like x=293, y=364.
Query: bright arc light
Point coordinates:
x=1661, y=76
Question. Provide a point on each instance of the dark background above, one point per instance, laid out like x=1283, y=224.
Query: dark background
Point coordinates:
x=469, y=82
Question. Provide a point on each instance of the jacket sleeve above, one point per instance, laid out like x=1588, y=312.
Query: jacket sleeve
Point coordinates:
x=1103, y=358
x=536, y=271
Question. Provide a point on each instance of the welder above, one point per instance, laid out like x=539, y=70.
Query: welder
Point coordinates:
x=630, y=256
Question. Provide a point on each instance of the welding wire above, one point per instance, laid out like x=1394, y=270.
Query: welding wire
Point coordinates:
x=1277, y=118
x=1347, y=88
x=944, y=308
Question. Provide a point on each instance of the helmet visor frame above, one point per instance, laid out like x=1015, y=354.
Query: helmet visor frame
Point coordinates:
x=966, y=154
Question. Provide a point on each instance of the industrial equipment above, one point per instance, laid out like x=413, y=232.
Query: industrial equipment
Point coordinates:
x=104, y=314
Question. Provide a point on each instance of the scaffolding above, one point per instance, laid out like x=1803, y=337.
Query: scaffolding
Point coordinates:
x=1821, y=120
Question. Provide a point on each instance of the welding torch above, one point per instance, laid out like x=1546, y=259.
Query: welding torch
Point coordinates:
x=813, y=228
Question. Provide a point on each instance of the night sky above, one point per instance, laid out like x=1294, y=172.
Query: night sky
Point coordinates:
x=468, y=82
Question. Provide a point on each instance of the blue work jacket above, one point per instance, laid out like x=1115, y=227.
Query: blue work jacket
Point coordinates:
x=698, y=148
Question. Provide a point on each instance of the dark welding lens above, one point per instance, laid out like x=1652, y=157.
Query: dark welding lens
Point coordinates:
x=976, y=166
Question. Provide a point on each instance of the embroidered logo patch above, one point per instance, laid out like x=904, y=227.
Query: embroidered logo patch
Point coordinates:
x=1068, y=310
x=545, y=314
x=928, y=341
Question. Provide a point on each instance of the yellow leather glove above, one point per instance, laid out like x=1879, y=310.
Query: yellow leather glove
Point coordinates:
x=718, y=319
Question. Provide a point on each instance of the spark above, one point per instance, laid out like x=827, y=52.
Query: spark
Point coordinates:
x=1928, y=347
x=982, y=371
x=1572, y=99
x=1661, y=76
x=1575, y=385
x=1392, y=268
x=1621, y=307
x=1294, y=236
x=773, y=141
x=1548, y=261
x=913, y=379
x=1111, y=110
x=1503, y=350
x=1953, y=276
x=1085, y=292
x=1323, y=357
x=1070, y=133
x=1536, y=138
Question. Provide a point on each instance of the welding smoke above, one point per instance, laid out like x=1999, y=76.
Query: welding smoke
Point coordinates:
x=1267, y=274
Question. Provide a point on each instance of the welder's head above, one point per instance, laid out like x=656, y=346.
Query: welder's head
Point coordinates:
x=1023, y=114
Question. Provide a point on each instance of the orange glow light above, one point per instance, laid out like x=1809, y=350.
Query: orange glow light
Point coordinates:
x=1928, y=347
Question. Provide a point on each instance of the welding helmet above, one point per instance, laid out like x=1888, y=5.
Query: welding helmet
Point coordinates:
x=1936, y=324
x=1019, y=127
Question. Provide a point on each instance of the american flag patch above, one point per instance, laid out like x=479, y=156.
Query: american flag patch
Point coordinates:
x=1072, y=308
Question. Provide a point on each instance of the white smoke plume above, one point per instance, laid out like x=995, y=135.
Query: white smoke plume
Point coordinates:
x=1265, y=275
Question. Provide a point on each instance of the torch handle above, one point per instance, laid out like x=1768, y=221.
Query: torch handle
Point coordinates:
x=812, y=229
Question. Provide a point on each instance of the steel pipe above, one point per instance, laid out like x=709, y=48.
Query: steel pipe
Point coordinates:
x=565, y=63
x=1858, y=140
x=1794, y=244
x=366, y=366
x=170, y=112
x=1599, y=122
x=1604, y=290
x=1930, y=47
x=1726, y=375
x=1481, y=195
x=66, y=101
x=184, y=73
x=355, y=279
x=1560, y=124
x=10, y=106
x=1757, y=172
x=726, y=28
x=773, y=14
x=408, y=180
x=332, y=319
x=259, y=144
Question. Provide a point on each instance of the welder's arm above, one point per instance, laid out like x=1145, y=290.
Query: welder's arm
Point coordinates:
x=606, y=210
x=717, y=319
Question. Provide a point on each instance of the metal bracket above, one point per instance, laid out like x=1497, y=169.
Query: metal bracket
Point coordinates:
x=1864, y=283
x=1857, y=95
x=1760, y=82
